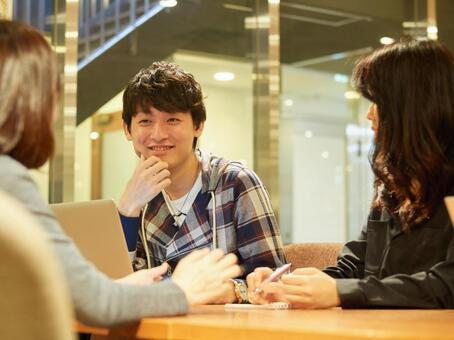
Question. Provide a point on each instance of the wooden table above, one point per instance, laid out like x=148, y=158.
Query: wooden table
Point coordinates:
x=213, y=322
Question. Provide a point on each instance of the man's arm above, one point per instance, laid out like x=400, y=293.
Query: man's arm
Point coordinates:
x=258, y=234
x=131, y=226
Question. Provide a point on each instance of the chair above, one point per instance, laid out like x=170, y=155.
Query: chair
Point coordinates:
x=35, y=303
x=317, y=255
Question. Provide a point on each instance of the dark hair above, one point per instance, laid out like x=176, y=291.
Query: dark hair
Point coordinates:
x=412, y=84
x=166, y=87
x=28, y=94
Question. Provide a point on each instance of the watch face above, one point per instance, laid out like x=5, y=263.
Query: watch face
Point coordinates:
x=240, y=291
x=243, y=291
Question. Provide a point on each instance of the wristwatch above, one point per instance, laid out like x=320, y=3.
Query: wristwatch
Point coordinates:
x=240, y=291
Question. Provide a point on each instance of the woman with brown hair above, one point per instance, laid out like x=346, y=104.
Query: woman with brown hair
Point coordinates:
x=404, y=257
x=29, y=89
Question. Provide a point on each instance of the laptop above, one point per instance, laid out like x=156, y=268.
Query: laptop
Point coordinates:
x=95, y=228
x=449, y=201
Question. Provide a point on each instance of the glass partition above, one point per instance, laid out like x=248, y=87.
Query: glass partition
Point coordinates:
x=326, y=181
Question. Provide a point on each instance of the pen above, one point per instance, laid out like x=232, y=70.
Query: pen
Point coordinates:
x=273, y=277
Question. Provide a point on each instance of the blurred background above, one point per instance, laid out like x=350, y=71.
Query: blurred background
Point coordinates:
x=276, y=77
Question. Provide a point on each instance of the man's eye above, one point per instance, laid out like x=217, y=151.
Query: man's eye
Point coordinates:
x=144, y=121
x=173, y=120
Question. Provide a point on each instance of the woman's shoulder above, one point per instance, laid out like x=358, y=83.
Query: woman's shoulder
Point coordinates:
x=12, y=174
x=16, y=181
x=10, y=167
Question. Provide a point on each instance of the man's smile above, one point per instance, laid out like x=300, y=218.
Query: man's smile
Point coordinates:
x=160, y=148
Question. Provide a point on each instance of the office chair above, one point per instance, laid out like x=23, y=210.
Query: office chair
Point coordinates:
x=35, y=303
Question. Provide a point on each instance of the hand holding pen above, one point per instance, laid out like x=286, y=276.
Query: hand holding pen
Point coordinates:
x=273, y=277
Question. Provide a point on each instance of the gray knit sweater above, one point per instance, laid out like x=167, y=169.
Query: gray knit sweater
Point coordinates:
x=98, y=300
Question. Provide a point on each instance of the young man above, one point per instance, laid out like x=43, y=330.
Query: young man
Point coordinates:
x=180, y=199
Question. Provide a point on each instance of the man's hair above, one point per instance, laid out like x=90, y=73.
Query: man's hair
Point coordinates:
x=166, y=87
x=29, y=87
x=412, y=84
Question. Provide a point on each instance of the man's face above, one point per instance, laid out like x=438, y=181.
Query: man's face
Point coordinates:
x=168, y=136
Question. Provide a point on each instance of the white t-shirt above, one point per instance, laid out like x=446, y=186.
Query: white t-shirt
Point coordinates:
x=180, y=207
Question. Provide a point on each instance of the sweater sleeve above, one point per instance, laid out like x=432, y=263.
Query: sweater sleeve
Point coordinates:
x=350, y=263
x=433, y=288
x=131, y=226
x=98, y=300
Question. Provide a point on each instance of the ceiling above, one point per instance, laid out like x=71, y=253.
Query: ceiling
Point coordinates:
x=325, y=35
x=312, y=32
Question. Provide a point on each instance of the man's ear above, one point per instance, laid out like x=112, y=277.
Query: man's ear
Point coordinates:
x=127, y=132
x=198, y=130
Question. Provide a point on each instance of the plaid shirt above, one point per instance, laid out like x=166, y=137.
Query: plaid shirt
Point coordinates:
x=245, y=222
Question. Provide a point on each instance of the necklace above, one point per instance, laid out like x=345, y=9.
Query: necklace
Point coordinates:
x=179, y=208
x=178, y=211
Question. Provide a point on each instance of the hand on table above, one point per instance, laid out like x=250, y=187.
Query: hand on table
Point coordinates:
x=146, y=276
x=227, y=294
x=203, y=275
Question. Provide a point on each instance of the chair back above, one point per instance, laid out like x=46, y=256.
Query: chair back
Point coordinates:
x=317, y=255
x=35, y=303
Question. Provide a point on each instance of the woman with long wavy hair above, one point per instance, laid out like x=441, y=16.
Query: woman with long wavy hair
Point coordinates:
x=404, y=256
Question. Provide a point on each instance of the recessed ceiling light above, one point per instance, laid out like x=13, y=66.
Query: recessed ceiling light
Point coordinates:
x=261, y=21
x=386, y=40
x=288, y=102
x=341, y=78
x=325, y=154
x=224, y=76
x=308, y=134
x=432, y=32
x=94, y=135
x=432, y=29
x=168, y=3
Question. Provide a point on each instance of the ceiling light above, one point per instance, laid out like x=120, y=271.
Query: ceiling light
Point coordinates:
x=59, y=49
x=386, y=40
x=432, y=32
x=168, y=3
x=341, y=78
x=261, y=21
x=71, y=34
x=308, y=134
x=288, y=102
x=351, y=95
x=325, y=154
x=94, y=135
x=432, y=29
x=224, y=76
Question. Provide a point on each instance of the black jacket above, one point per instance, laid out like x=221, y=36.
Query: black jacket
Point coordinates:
x=387, y=268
